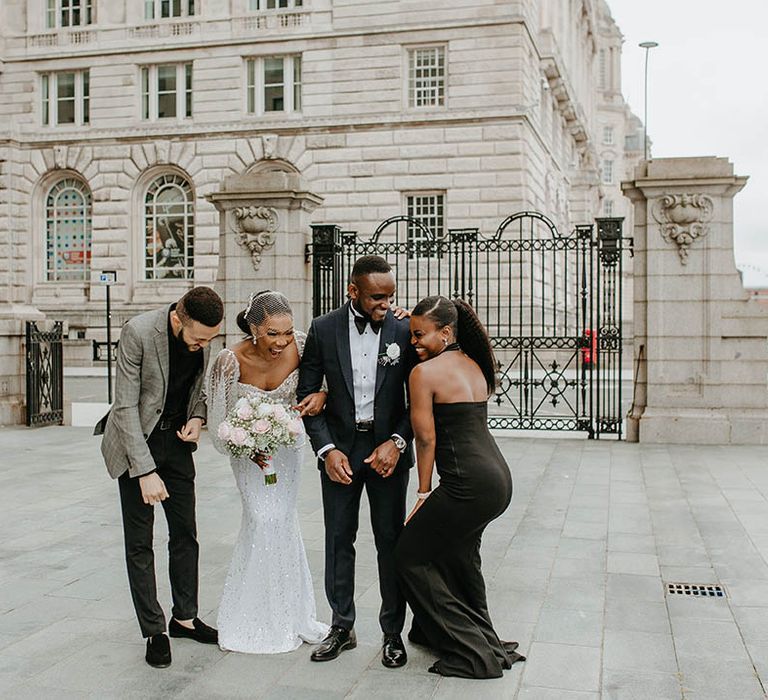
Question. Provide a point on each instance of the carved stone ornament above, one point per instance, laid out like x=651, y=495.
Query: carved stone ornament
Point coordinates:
x=269, y=146
x=255, y=229
x=683, y=218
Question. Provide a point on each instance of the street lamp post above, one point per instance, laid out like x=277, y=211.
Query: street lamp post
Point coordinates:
x=647, y=45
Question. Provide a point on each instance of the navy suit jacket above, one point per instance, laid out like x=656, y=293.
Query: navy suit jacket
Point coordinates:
x=327, y=355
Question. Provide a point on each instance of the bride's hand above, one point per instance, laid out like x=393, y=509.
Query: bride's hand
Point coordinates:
x=312, y=404
x=260, y=458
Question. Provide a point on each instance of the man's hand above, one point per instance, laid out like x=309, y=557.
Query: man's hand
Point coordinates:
x=384, y=458
x=337, y=467
x=190, y=431
x=312, y=404
x=152, y=489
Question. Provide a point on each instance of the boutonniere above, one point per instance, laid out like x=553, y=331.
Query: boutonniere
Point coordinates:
x=390, y=356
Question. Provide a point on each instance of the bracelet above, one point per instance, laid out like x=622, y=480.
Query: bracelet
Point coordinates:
x=423, y=496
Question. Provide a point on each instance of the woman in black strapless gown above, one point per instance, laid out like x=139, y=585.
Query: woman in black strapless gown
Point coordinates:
x=438, y=554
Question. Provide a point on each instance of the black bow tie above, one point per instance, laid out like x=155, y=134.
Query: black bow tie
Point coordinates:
x=362, y=321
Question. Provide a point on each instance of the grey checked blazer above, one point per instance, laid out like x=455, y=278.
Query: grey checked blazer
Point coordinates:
x=141, y=382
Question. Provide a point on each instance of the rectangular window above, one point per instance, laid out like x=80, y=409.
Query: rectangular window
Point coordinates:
x=428, y=209
x=608, y=135
x=273, y=84
x=68, y=13
x=607, y=172
x=65, y=98
x=426, y=77
x=166, y=91
x=608, y=207
x=166, y=9
x=254, y=5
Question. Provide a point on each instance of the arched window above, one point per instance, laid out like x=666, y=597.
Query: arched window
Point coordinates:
x=68, y=231
x=169, y=226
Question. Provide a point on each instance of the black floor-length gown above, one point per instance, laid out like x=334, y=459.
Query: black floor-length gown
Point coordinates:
x=438, y=554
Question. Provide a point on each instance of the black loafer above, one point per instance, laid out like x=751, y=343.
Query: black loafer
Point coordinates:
x=393, y=653
x=158, y=651
x=338, y=640
x=200, y=632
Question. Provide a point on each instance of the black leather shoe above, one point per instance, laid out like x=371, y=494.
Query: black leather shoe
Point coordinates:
x=200, y=632
x=158, y=651
x=338, y=640
x=393, y=653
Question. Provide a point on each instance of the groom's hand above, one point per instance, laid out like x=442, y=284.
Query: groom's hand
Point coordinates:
x=152, y=489
x=384, y=458
x=337, y=467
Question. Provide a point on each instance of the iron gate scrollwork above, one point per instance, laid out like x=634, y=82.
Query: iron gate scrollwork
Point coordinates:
x=551, y=303
x=45, y=375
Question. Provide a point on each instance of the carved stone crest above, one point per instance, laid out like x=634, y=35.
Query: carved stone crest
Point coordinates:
x=683, y=218
x=255, y=229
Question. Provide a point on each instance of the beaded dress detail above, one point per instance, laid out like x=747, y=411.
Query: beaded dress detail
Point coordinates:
x=268, y=602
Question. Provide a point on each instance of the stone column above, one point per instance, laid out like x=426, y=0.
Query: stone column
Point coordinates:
x=263, y=230
x=701, y=345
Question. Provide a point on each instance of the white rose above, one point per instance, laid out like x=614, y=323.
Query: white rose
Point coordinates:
x=264, y=410
x=393, y=351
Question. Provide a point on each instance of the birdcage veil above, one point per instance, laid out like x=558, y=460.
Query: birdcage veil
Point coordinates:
x=262, y=305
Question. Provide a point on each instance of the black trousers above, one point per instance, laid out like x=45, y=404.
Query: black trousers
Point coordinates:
x=176, y=468
x=341, y=509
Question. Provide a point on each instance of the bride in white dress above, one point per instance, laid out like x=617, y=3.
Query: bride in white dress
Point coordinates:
x=268, y=602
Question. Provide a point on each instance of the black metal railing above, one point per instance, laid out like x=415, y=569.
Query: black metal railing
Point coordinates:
x=551, y=303
x=45, y=375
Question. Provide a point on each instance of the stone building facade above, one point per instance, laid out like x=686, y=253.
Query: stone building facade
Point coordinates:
x=119, y=120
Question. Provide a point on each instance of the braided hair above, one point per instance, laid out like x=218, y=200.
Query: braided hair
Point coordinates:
x=467, y=328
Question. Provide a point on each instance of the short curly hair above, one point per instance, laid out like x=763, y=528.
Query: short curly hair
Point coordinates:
x=201, y=304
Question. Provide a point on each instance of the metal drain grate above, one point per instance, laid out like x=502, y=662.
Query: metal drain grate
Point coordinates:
x=700, y=590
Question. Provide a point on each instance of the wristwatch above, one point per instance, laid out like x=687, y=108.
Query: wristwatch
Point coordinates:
x=399, y=442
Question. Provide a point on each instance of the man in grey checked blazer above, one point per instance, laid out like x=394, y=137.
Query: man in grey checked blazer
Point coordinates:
x=149, y=436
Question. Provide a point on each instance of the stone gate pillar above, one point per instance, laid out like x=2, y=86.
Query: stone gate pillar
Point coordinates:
x=701, y=345
x=263, y=230
x=15, y=306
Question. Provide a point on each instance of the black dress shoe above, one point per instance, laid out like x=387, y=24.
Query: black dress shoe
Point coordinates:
x=338, y=640
x=200, y=632
x=158, y=651
x=393, y=653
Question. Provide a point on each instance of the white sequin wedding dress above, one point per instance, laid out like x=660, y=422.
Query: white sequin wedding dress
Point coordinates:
x=268, y=603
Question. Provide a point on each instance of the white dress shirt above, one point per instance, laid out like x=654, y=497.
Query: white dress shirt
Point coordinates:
x=364, y=352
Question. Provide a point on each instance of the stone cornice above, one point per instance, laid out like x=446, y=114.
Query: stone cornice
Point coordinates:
x=306, y=126
x=98, y=48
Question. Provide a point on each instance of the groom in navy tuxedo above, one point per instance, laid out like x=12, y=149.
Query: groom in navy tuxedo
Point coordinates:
x=362, y=440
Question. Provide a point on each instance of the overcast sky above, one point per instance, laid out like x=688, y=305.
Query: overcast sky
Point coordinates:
x=707, y=93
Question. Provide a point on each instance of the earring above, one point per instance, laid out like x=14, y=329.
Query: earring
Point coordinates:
x=445, y=342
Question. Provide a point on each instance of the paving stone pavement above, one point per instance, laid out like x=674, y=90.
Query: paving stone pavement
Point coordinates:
x=575, y=572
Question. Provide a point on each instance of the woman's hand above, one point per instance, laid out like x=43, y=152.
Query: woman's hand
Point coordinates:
x=260, y=458
x=400, y=312
x=312, y=404
x=418, y=505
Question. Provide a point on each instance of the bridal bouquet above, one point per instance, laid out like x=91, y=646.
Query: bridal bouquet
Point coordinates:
x=258, y=425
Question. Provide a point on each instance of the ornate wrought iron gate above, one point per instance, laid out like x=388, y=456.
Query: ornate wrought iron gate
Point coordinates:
x=551, y=304
x=45, y=375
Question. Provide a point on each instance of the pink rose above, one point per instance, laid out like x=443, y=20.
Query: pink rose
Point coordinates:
x=244, y=411
x=261, y=426
x=296, y=426
x=238, y=437
x=279, y=412
x=224, y=431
